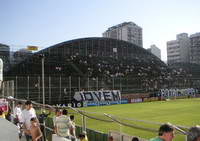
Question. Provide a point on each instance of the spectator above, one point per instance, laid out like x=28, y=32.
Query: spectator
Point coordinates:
x=194, y=134
x=110, y=138
x=85, y=136
x=63, y=125
x=166, y=133
x=41, y=119
x=73, y=128
x=57, y=114
x=82, y=137
x=1, y=114
x=18, y=113
x=35, y=131
x=8, y=115
x=27, y=114
x=135, y=139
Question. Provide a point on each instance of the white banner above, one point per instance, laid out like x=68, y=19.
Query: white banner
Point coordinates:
x=178, y=92
x=102, y=95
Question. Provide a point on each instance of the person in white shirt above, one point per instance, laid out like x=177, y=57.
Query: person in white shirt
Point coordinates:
x=57, y=114
x=18, y=113
x=63, y=125
x=27, y=114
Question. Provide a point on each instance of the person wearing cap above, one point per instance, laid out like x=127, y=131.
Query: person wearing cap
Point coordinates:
x=194, y=134
x=165, y=133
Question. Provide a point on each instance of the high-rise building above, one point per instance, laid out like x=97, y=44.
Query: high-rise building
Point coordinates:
x=195, y=48
x=5, y=56
x=178, y=50
x=155, y=50
x=19, y=56
x=127, y=31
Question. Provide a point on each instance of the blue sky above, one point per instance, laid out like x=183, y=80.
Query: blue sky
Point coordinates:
x=47, y=22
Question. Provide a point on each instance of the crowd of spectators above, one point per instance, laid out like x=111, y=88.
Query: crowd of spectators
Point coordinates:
x=144, y=72
x=33, y=127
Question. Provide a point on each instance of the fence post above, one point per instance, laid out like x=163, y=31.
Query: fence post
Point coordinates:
x=97, y=84
x=60, y=90
x=49, y=90
x=7, y=88
x=79, y=83
x=83, y=123
x=120, y=84
x=88, y=83
x=113, y=85
x=3, y=89
x=120, y=132
x=16, y=87
x=70, y=89
x=38, y=88
x=28, y=87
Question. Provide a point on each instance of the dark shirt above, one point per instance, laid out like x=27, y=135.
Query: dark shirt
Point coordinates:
x=42, y=117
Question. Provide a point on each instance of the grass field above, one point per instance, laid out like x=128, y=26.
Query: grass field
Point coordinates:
x=179, y=112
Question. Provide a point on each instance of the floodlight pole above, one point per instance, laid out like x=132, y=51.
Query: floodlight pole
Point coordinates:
x=43, y=90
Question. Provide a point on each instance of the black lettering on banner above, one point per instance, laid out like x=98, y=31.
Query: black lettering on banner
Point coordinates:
x=115, y=95
x=82, y=96
x=107, y=96
x=88, y=96
x=98, y=95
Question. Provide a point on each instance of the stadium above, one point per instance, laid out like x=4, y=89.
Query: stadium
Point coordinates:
x=102, y=71
x=89, y=64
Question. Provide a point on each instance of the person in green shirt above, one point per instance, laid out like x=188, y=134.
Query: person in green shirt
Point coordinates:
x=165, y=133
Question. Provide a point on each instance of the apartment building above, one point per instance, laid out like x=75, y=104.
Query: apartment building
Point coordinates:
x=178, y=50
x=127, y=31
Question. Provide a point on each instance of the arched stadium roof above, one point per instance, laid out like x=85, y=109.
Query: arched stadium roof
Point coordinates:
x=74, y=57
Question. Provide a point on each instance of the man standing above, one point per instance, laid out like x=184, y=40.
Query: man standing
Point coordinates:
x=57, y=114
x=63, y=125
x=166, y=133
x=27, y=114
x=42, y=117
x=18, y=113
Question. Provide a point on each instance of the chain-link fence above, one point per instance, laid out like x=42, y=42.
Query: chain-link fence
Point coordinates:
x=61, y=89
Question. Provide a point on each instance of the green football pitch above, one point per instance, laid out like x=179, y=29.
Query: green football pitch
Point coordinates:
x=183, y=112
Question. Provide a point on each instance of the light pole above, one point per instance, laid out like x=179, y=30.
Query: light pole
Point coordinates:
x=43, y=90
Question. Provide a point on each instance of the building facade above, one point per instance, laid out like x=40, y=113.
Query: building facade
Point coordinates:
x=178, y=50
x=195, y=48
x=155, y=50
x=127, y=31
x=5, y=56
x=19, y=56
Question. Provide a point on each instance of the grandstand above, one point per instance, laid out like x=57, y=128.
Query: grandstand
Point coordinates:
x=89, y=64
